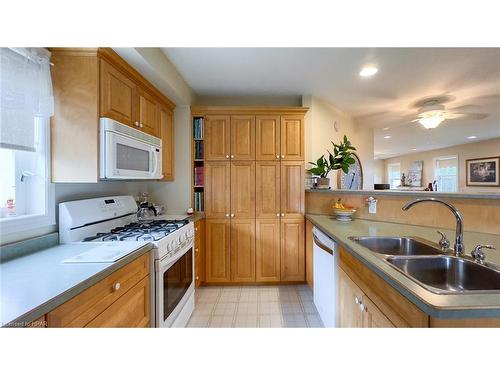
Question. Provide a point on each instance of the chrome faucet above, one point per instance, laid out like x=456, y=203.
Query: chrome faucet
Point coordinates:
x=459, y=247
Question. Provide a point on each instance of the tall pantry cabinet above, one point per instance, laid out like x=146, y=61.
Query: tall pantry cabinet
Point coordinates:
x=253, y=193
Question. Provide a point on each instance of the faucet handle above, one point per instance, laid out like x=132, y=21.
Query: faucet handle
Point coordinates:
x=478, y=254
x=444, y=243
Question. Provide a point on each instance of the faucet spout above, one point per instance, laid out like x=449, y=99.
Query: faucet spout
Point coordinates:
x=459, y=247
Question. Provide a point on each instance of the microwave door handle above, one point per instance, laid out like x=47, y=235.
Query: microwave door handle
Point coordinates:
x=155, y=162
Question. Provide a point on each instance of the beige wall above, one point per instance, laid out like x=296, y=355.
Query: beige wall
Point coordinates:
x=467, y=151
x=319, y=132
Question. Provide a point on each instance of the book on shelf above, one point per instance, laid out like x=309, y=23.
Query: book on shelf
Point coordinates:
x=198, y=201
x=198, y=128
x=198, y=150
x=198, y=176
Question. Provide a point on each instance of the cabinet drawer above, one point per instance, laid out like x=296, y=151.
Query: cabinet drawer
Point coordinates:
x=129, y=311
x=82, y=309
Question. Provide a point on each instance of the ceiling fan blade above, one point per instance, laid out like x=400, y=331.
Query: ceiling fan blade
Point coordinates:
x=476, y=116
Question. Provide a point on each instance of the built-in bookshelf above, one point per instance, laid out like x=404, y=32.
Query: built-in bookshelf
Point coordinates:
x=198, y=163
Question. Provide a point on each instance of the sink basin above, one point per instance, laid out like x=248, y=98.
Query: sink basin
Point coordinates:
x=397, y=245
x=448, y=274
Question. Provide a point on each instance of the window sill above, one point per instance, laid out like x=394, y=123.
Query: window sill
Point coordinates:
x=10, y=225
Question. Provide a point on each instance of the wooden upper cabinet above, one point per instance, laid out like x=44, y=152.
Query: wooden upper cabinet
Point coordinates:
x=267, y=134
x=117, y=95
x=267, y=190
x=242, y=137
x=217, y=138
x=292, y=250
x=217, y=247
x=243, y=250
x=267, y=250
x=167, y=139
x=243, y=189
x=292, y=137
x=147, y=112
x=292, y=189
x=217, y=189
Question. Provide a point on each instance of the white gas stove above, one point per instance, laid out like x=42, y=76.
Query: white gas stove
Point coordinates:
x=115, y=219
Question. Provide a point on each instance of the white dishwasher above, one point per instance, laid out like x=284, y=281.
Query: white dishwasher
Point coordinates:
x=325, y=285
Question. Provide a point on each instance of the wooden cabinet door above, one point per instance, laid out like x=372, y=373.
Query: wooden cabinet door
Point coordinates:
x=267, y=134
x=373, y=317
x=292, y=189
x=217, y=189
x=243, y=189
x=242, y=250
x=292, y=250
x=217, y=247
x=117, y=95
x=309, y=254
x=292, y=137
x=267, y=189
x=217, y=138
x=349, y=312
x=243, y=137
x=199, y=252
x=132, y=310
x=147, y=112
x=167, y=143
x=267, y=250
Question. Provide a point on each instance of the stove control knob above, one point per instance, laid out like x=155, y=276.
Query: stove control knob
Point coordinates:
x=169, y=247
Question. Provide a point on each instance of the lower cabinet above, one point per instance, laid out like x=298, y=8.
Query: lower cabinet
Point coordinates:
x=267, y=250
x=356, y=310
x=242, y=250
x=218, y=247
x=199, y=253
x=292, y=250
x=122, y=299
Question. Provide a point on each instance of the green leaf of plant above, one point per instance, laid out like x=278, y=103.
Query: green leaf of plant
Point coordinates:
x=345, y=169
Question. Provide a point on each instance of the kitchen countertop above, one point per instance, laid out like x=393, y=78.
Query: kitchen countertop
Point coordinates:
x=35, y=284
x=437, y=305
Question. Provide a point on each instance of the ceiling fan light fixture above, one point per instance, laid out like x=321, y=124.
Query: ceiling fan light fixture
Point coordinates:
x=368, y=71
x=431, y=122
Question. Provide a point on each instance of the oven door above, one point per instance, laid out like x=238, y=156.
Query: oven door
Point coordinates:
x=174, y=288
x=129, y=158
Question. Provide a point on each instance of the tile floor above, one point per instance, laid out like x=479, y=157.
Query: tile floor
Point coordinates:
x=255, y=306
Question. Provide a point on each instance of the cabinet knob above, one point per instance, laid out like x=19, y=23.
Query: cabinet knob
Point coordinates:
x=136, y=123
x=356, y=299
x=232, y=156
x=197, y=277
x=232, y=215
x=282, y=214
x=277, y=156
x=196, y=229
x=362, y=307
x=227, y=156
x=278, y=215
x=282, y=156
x=116, y=287
x=140, y=125
x=196, y=250
x=227, y=215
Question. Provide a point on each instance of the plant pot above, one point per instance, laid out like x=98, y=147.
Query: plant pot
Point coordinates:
x=323, y=183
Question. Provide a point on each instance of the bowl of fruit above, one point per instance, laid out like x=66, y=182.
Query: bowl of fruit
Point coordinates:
x=343, y=212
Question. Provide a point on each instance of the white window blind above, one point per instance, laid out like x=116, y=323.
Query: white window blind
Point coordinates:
x=394, y=175
x=25, y=94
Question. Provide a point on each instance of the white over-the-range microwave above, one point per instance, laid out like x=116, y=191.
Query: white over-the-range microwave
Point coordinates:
x=127, y=153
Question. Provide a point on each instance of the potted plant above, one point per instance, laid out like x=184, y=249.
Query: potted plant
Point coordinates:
x=340, y=159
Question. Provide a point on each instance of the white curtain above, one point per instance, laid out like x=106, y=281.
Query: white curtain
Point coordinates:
x=25, y=93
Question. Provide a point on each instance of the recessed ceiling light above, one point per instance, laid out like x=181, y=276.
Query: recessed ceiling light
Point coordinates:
x=414, y=149
x=368, y=71
x=387, y=137
x=385, y=128
x=472, y=137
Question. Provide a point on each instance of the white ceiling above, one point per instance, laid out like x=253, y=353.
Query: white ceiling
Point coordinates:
x=471, y=75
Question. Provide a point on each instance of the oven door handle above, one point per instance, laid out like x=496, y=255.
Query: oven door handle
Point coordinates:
x=161, y=265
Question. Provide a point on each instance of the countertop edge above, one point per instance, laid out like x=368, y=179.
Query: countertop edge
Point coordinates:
x=431, y=310
x=51, y=304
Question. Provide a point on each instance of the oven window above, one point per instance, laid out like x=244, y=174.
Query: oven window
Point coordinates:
x=176, y=281
x=131, y=158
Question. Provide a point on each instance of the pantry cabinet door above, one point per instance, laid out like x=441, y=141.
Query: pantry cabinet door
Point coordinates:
x=292, y=137
x=217, y=248
x=217, y=138
x=243, y=137
x=292, y=189
x=217, y=189
x=243, y=189
x=243, y=250
x=117, y=95
x=267, y=134
x=267, y=250
x=167, y=143
x=147, y=112
x=292, y=250
x=267, y=189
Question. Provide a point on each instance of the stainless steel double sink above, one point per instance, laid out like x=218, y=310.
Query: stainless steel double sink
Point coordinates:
x=424, y=263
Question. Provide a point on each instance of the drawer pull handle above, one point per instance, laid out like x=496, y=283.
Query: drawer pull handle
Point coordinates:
x=116, y=287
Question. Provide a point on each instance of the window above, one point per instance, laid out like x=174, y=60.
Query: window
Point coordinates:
x=446, y=173
x=394, y=175
x=26, y=194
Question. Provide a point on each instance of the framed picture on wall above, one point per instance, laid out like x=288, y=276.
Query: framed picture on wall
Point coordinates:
x=483, y=172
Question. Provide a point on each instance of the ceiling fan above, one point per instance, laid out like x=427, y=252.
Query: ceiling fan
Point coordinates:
x=432, y=112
